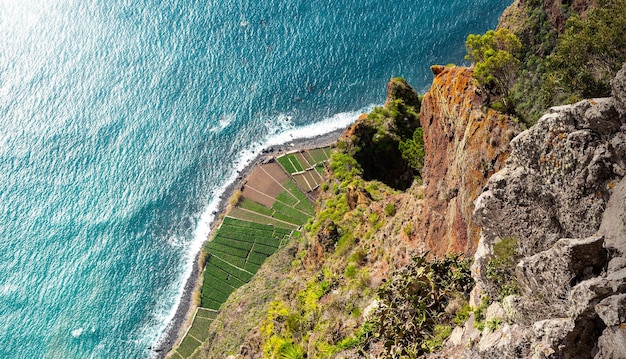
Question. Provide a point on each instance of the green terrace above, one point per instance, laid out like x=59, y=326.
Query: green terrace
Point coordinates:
x=306, y=166
x=274, y=203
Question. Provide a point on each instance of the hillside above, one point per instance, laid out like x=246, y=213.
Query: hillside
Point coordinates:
x=470, y=222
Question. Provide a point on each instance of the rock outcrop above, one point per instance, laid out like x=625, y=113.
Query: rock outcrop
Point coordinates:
x=562, y=197
x=464, y=146
x=375, y=138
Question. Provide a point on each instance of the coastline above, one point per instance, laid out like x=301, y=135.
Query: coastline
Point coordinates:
x=177, y=326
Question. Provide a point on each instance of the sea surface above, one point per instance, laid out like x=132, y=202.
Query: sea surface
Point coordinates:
x=121, y=123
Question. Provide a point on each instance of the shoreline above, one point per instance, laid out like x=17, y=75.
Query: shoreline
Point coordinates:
x=177, y=326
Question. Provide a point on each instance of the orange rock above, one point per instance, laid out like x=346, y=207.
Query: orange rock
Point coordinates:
x=464, y=146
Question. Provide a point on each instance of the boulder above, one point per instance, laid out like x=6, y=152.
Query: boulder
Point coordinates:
x=568, y=262
x=612, y=310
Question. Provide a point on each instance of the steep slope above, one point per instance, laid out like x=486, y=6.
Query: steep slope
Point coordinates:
x=365, y=233
x=560, y=200
x=464, y=144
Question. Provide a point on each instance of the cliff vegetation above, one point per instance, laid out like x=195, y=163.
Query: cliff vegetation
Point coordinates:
x=547, y=53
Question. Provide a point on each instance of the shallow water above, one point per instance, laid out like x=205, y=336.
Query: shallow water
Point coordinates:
x=122, y=122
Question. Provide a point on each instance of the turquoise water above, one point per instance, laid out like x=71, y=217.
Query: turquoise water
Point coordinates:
x=122, y=122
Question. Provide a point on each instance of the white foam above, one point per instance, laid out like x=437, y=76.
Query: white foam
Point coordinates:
x=77, y=332
x=281, y=130
x=7, y=289
x=224, y=121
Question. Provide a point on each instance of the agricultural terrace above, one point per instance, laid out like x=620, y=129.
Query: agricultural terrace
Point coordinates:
x=272, y=205
x=306, y=166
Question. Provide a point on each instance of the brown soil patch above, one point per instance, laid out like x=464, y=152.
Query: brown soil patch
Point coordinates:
x=264, y=184
x=301, y=181
x=303, y=162
x=276, y=172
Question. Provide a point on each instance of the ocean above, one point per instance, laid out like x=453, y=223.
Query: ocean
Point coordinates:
x=122, y=122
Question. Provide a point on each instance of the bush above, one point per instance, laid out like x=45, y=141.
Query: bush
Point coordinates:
x=589, y=53
x=390, y=209
x=412, y=150
x=501, y=268
x=344, y=166
x=235, y=198
x=495, y=55
x=412, y=304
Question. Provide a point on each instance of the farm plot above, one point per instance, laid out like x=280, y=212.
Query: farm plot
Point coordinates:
x=236, y=252
x=296, y=162
x=196, y=334
x=306, y=167
x=271, y=209
x=320, y=155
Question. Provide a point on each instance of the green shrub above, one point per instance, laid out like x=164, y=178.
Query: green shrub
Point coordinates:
x=589, y=52
x=462, y=315
x=440, y=333
x=344, y=166
x=291, y=351
x=351, y=271
x=501, y=267
x=390, y=209
x=412, y=303
x=495, y=55
x=408, y=229
x=493, y=324
x=412, y=150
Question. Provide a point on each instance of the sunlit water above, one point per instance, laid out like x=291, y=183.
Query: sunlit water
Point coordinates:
x=123, y=121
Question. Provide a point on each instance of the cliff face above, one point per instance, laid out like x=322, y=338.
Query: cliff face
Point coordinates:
x=561, y=199
x=464, y=146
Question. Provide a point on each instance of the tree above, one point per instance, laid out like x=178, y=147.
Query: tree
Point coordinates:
x=589, y=53
x=412, y=150
x=495, y=56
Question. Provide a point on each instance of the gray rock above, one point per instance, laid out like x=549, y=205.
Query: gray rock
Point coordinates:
x=600, y=118
x=510, y=304
x=612, y=310
x=618, y=91
x=505, y=338
x=616, y=264
x=584, y=296
x=612, y=343
x=569, y=261
x=495, y=311
x=562, y=195
x=556, y=183
x=550, y=333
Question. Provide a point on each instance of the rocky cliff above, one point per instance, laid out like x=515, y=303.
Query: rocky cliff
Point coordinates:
x=464, y=145
x=561, y=200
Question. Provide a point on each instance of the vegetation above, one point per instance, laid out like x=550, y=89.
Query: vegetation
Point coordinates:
x=384, y=143
x=501, y=268
x=410, y=319
x=588, y=54
x=246, y=238
x=412, y=150
x=390, y=209
x=496, y=58
x=547, y=68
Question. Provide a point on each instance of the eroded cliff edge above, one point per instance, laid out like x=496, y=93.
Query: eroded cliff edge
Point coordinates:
x=561, y=199
x=465, y=144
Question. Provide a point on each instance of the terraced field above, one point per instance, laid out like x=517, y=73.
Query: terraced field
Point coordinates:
x=272, y=208
x=306, y=166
